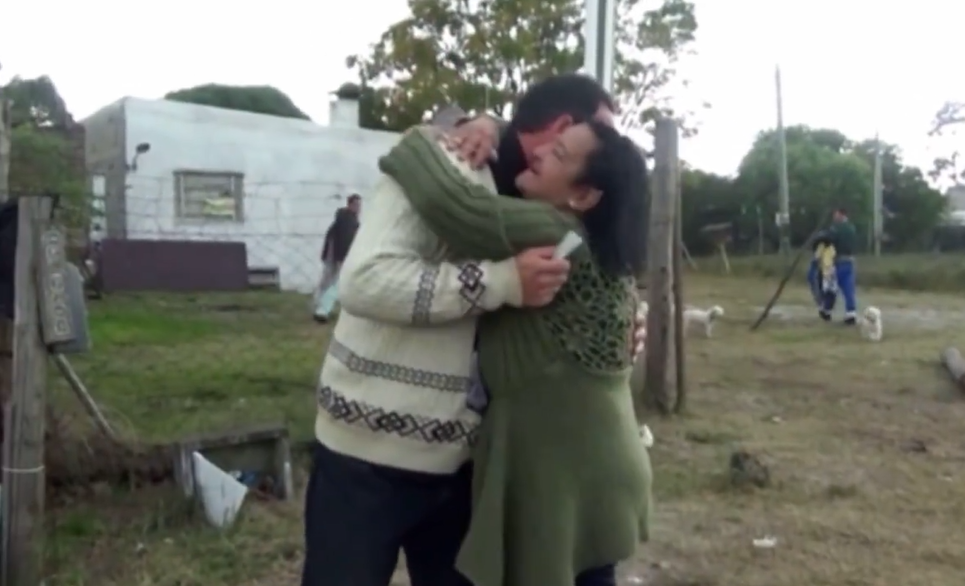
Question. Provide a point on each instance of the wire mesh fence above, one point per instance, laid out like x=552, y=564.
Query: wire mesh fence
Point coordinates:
x=184, y=339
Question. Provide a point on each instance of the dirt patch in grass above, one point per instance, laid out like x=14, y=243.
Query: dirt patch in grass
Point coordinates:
x=863, y=443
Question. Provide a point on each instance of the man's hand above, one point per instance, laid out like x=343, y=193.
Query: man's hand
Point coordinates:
x=541, y=275
x=474, y=141
x=638, y=340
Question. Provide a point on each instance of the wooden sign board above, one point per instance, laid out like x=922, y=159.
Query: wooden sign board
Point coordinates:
x=56, y=319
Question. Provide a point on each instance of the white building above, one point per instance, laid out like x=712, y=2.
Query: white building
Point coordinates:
x=214, y=174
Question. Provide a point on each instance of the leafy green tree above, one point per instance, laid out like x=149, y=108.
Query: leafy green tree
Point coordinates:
x=36, y=101
x=707, y=199
x=46, y=147
x=823, y=173
x=913, y=209
x=260, y=99
x=482, y=54
x=43, y=160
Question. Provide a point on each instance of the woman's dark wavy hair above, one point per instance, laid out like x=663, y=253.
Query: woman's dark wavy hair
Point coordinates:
x=617, y=226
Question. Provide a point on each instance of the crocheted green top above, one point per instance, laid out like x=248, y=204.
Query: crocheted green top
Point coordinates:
x=562, y=480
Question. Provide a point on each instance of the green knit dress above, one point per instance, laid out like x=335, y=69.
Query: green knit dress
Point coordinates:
x=561, y=479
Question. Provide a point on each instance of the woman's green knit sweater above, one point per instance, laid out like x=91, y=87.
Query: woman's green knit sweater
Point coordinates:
x=562, y=480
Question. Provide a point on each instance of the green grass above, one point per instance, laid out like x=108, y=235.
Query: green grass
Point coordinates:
x=910, y=272
x=168, y=365
x=829, y=413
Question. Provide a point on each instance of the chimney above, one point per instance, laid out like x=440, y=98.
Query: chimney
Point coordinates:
x=344, y=110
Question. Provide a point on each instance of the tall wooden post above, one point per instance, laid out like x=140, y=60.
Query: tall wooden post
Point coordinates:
x=23, y=448
x=784, y=215
x=6, y=326
x=877, y=213
x=678, y=250
x=660, y=328
x=4, y=147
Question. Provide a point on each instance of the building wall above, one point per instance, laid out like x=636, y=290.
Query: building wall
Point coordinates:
x=104, y=149
x=296, y=175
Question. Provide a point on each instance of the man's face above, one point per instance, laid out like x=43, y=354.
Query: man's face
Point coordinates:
x=531, y=141
x=355, y=205
x=839, y=217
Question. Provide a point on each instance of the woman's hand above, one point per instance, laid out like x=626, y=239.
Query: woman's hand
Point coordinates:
x=474, y=141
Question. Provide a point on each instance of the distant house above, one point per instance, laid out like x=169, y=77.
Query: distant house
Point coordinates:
x=204, y=173
x=955, y=196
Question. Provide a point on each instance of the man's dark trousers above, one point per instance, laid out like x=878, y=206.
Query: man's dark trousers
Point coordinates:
x=358, y=515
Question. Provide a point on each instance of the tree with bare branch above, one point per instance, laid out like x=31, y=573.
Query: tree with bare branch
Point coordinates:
x=947, y=121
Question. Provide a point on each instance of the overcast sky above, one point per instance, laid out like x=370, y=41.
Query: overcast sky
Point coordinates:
x=855, y=65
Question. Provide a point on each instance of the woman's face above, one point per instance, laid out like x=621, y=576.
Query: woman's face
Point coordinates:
x=555, y=168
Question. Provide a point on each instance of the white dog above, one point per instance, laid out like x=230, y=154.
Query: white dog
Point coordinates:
x=871, y=326
x=707, y=317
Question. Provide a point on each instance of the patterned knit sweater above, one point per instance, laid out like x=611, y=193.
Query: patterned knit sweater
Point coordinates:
x=561, y=480
x=392, y=389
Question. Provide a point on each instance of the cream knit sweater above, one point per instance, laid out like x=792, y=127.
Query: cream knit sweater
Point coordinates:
x=392, y=389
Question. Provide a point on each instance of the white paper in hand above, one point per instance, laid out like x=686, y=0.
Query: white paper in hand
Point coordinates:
x=567, y=245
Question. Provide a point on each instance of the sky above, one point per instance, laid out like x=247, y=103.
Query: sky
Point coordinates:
x=855, y=65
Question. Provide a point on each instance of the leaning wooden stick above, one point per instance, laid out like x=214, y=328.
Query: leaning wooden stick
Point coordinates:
x=806, y=247
x=84, y=395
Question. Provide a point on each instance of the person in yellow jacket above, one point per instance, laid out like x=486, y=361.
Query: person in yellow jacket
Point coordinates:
x=822, y=278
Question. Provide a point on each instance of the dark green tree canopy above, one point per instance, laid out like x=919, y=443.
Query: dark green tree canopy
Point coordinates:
x=46, y=147
x=260, y=99
x=37, y=102
x=826, y=169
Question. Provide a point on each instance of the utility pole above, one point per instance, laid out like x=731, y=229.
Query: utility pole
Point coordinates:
x=5, y=130
x=877, y=214
x=783, y=219
x=600, y=40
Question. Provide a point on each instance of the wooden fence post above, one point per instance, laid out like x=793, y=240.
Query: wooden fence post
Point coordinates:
x=5, y=130
x=24, y=417
x=660, y=328
x=678, y=254
x=6, y=326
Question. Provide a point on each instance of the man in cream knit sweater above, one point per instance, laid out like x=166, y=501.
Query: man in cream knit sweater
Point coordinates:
x=394, y=428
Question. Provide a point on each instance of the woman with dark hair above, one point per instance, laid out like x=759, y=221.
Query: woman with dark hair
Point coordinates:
x=561, y=488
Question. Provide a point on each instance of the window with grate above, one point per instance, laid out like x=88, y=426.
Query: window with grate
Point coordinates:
x=204, y=195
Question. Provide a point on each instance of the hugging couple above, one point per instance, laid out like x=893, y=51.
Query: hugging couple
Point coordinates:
x=474, y=408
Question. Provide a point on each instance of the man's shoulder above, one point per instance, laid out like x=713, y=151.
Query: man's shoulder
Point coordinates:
x=482, y=176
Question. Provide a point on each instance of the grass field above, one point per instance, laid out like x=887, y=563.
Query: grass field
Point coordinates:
x=863, y=442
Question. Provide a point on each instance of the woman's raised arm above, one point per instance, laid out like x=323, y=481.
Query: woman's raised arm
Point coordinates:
x=467, y=216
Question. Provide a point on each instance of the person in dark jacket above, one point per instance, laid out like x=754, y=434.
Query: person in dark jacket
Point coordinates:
x=841, y=237
x=338, y=240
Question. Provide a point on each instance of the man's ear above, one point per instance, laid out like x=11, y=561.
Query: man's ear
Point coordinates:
x=561, y=123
